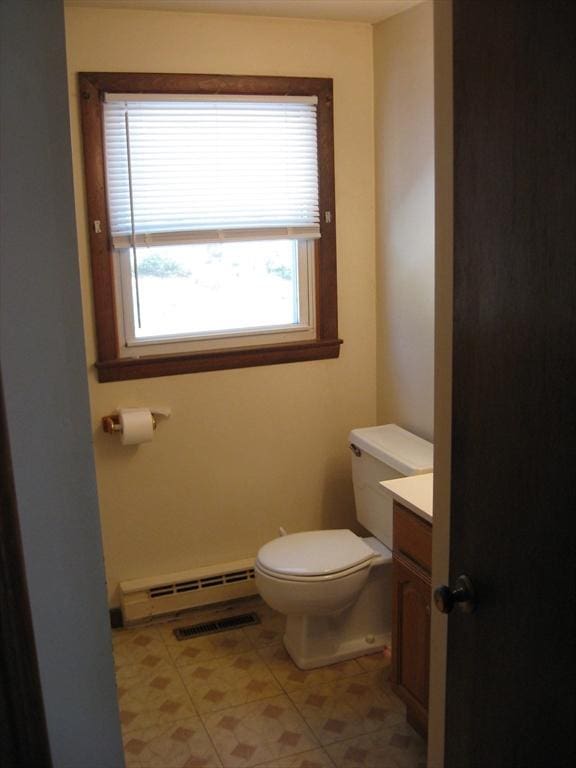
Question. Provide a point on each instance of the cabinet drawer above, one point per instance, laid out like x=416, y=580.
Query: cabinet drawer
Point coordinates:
x=412, y=537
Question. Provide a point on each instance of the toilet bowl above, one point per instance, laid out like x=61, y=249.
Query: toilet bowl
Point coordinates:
x=319, y=572
x=326, y=583
x=333, y=586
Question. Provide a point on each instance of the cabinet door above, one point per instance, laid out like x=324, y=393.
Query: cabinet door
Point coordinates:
x=411, y=640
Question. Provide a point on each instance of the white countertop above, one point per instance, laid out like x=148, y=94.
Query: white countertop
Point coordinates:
x=414, y=492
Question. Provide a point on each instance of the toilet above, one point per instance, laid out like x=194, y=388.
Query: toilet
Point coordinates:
x=334, y=587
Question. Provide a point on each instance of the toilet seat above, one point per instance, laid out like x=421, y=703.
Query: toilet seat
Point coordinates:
x=315, y=555
x=326, y=577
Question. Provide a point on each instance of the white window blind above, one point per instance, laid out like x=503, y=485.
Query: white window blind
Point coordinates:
x=199, y=169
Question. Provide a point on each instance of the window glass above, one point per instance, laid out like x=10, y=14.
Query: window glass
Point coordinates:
x=213, y=288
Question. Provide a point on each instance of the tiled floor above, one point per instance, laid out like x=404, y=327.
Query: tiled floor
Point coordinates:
x=236, y=700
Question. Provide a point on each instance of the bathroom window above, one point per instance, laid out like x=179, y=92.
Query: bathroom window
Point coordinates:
x=211, y=211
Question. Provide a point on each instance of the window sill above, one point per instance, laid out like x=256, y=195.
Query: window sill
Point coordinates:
x=216, y=360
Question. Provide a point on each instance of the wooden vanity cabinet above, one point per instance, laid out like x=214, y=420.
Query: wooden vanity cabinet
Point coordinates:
x=411, y=597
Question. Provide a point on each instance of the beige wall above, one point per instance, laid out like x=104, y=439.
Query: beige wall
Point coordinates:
x=245, y=450
x=404, y=132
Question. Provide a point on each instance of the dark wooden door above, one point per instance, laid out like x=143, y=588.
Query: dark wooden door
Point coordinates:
x=510, y=679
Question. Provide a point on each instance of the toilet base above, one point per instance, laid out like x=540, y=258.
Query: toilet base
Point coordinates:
x=365, y=627
x=345, y=651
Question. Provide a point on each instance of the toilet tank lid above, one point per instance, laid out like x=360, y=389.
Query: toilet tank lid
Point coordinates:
x=400, y=449
x=315, y=553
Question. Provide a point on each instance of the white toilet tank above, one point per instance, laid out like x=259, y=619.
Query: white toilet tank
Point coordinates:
x=384, y=453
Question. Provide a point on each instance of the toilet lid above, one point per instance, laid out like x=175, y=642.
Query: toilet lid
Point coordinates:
x=314, y=553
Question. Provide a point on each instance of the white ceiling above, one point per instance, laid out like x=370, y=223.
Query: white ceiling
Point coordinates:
x=370, y=11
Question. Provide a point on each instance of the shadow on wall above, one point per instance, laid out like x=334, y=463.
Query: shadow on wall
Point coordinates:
x=337, y=507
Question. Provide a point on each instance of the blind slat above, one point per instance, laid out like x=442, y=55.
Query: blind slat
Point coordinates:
x=186, y=237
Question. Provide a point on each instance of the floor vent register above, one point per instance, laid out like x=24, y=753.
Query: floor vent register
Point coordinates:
x=221, y=625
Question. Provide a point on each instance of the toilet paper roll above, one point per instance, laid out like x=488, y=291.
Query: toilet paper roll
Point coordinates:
x=137, y=425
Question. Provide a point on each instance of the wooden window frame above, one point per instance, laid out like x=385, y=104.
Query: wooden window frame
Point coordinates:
x=110, y=366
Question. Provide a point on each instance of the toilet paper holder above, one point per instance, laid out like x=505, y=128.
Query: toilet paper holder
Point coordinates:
x=111, y=423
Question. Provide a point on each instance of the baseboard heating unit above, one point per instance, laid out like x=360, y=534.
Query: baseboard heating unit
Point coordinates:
x=149, y=597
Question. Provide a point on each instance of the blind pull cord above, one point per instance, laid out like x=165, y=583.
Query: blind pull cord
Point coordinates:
x=133, y=238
